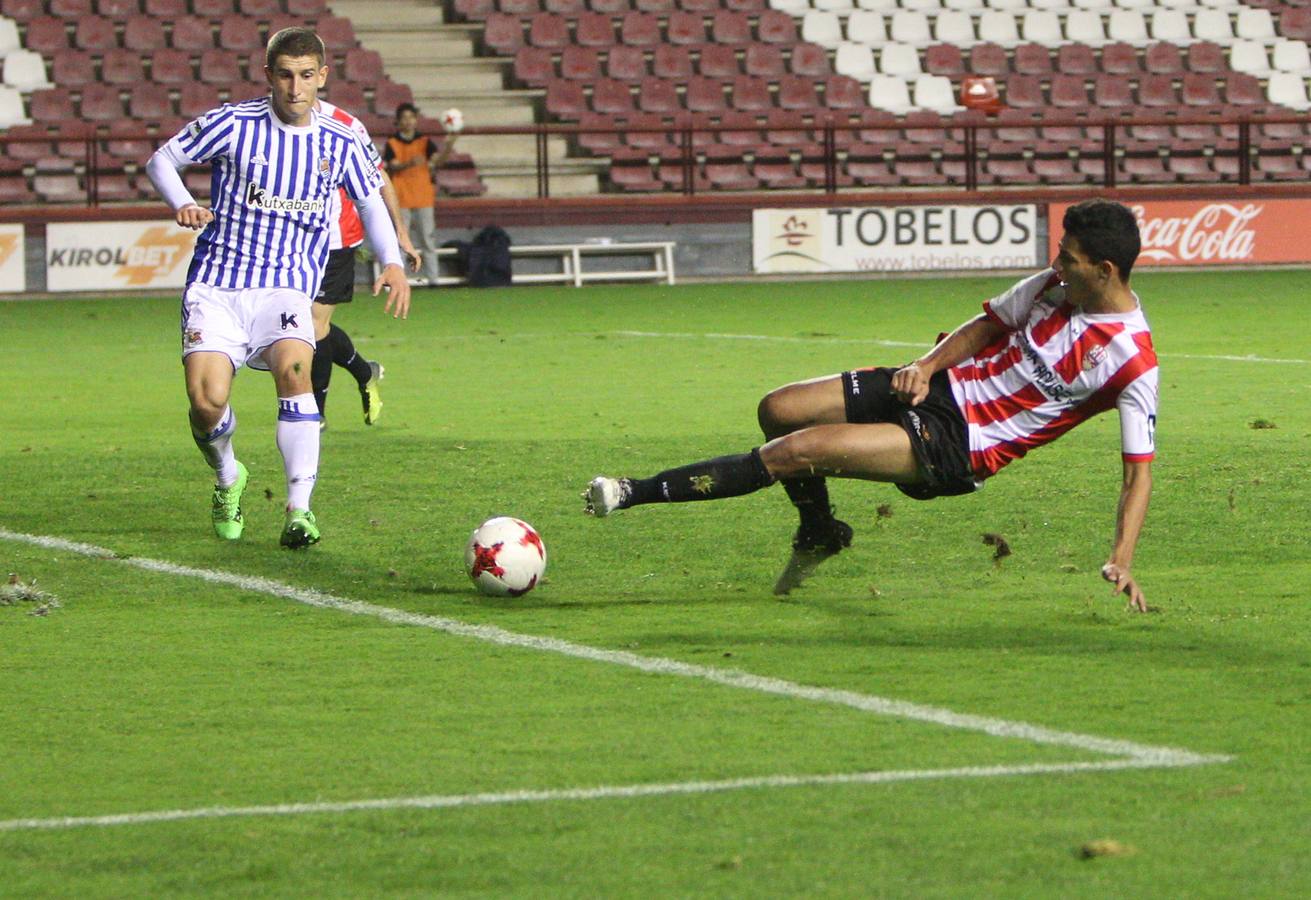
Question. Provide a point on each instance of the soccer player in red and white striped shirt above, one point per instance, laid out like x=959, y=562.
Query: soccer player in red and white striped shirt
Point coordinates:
x=1054, y=350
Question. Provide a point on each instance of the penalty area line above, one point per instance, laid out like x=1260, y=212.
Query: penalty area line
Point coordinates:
x=602, y=792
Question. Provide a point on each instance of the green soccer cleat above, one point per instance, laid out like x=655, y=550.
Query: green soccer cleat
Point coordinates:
x=225, y=508
x=300, y=530
x=369, y=395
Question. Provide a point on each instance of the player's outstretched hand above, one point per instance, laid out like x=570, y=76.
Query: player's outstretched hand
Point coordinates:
x=1124, y=584
x=398, y=291
x=415, y=258
x=910, y=384
x=194, y=217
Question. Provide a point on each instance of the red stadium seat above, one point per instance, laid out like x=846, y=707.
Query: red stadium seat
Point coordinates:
x=52, y=105
x=147, y=101
x=502, y=34
x=843, y=92
x=46, y=36
x=240, y=34
x=718, y=61
x=95, y=33
x=685, y=28
x=1031, y=59
x=336, y=31
x=738, y=129
x=1120, y=59
x=807, y=59
x=1200, y=89
x=473, y=10
x=346, y=95
x=787, y=128
x=59, y=189
x=220, y=67
x=728, y=172
x=70, y=9
x=639, y=30
x=119, y=66
x=22, y=10
x=144, y=33
x=1205, y=56
x=657, y=141
x=565, y=99
x=990, y=59
x=658, y=96
x=165, y=8
x=118, y=9
x=746, y=6
x=775, y=169
x=306, y=8
x=732, y=28
x=776, y=27
x=944, y=59
x=568, y=8
x=578, y=63
x=751, y=94
x=923, y=126
x=882, y=130
x=670, y=61
x=1244, y=90
x=1076, y=59
x=1015, y=126
x=72, y=68
x=625, y=63
x=867, y=166
x=387, y=95
x=212, y=9
x=363, y=66
x=1163, y=59
x=1295, y=24
x=612, y=97
x=521, y=8
x=534, y=66
x=631, y=171
x=1069, y=92
x=601, y=142
x=101, y=103
x=608, y=7
x=261, y=9
x=192, y=33
x=547, y=30
x=764, y=60
x=1024, y=92
x=594, y=30
x=659, y=7
x=797, y=93
x=167, y=66
x=705, y=95
x=1057, y=169
x=197, y=98
x=1146, y=169
x=1112, y=92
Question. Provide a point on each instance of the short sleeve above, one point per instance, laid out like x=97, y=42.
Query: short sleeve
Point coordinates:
x=433, y=149
x=360, y=173
x=1011, y=309
x=204, y=138
x=1137, y=407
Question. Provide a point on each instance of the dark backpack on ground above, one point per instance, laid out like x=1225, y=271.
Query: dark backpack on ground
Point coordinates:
x=489, y=258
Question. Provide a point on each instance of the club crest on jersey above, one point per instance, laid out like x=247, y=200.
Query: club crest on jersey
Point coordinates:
x=1095, y=356
x=259, y=198
x=325, y=166
x=191, y=338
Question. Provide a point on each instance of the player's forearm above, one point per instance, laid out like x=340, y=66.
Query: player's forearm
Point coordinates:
x=960, y=345
x=162, y=170
x=379, y=228
x=393, y=205
x=1135, y=495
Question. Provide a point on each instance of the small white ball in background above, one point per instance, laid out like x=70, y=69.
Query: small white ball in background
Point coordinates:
x=452, y=121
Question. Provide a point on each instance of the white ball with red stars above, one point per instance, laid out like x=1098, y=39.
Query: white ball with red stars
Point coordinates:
x=505, y=557
x=452, y=121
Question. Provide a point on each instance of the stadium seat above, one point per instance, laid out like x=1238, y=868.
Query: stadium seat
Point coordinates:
x=854, y=60
x=71, y=9
x=889, y=92
x=1190, y=166
x=1158, y=91
x=535, y=67
x=192, y=33
x=1076, y=59
x=1254, y=24
x=22, y=10
x=387, y=95
x=594, y=30
x=1170, y=25
x=505, y=34
x=1069, y=92
x=548, y=31
x=879, y=127
x=1031, y=59
x=147, y=101
x=999, y=27
x=220, y=67
x=775, y=169
x=53, y=105
x=791, y=7
x=612, y=97
x=766, y=60
x=1249, y=56
x=654, y=96
x=336, y=32
x=823, y=28
x=1286, y=89
x=1213, y=25
x=705, y=95
x=1127, y=25
x=1292, y=56
x=1024, y=92
x=95, y=33
x=718, y=61
x=869, y=28
x=1120, y=59
x=623, y=62
x=944, y=59
x=566, y=8
x=990, y=59
x=639, y=30
x=934, y=92
x=954, y=27
x=902, y=60
x=868, y=167
x=1112, y=92
x=775, y=27
x=306, y=8
x=1086, y=27
x=795, y=92
x=197, y=98
x=685, y=29
x=631, y=171
x=787, y=127
x=806, y=59
x=1014, y=126
x=844, y=92
x=59, y=189
x=1042, y=26
x=120, y=66
x=144, y=33
x=739, y=129
x=751, y=94
x=522, y=8
x=25, y=70
x=878, y=6
x=213, y=9
x=660, y=7
x=565, y=99
x=909, y=27
x=1295, y=23
x=925, y=6
x=347, y=95
x=672, y=61
x=14, y=191
x=72, y=68
x=1164, y=58
x=838, y=6
x=363, y=66
x=727, y=171
x=101, y=103
x=602, y=141
x=259, y=9
x=46, y=36
x=11, y=107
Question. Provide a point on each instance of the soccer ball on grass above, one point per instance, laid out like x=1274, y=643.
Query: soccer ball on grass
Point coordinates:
x=505, y=557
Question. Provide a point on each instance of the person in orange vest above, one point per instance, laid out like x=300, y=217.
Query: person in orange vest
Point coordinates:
x=412, y=160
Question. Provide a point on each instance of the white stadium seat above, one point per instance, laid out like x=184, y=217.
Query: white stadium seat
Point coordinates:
x=974, y=6
x=26, y=71
x=794, y=7
x=900, y=60
x=1213, y=25
x=1255, y=24
x=1007, y=5
x=1104, y=5
x=1127, y=25
x=869, y=28
x=1288, y=89
x=11, y=108
x=1185, y=5
x=1250, y=57
x=9, y=41
x=925, y=6
x=1135, y=4
x=889, y=92
x=1060, y=5
x=909, y=27
x=1085, y=26
x=1042, y=26
x=1292, y=56
x=935, y=92
x=1170, y=26
x=855, y=60
x=837, y=6
x=998, y=27
x=954, y=26
x=823, y=28
x=887, y=6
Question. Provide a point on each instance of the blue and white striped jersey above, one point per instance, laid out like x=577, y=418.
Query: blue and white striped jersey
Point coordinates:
x=272, y=194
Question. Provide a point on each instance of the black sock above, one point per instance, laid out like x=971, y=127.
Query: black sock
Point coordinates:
x=713, y=479
x=810, y=497
x=344, y=355
x=321, y=370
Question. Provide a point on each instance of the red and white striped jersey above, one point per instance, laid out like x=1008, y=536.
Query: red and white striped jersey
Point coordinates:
x=1055, y=367
x=347, y=229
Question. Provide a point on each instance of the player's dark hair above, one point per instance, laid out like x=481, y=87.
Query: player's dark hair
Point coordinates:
x=295, y=41
x=404, y=108
x=1105, y=230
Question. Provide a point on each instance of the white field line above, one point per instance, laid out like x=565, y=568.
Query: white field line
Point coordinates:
x=603, y=792
x=1130, y=755
x=825, y=339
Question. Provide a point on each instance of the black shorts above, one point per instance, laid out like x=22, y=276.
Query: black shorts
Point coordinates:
x=338, y=277
x=937, y=430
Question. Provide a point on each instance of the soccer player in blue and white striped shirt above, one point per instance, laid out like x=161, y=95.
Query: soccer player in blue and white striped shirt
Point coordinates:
x=260, y=259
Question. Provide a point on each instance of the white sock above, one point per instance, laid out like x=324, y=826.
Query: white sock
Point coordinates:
x=298, y=442
x=216, y=447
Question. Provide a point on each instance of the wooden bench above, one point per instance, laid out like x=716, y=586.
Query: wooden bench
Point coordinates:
x=572, y=258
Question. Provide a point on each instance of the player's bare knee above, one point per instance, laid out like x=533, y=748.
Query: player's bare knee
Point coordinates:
x=789, y=456
x=772, y=413
x=206, y=409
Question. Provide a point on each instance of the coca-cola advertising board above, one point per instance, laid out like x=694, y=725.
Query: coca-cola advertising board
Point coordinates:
x=1212, y=233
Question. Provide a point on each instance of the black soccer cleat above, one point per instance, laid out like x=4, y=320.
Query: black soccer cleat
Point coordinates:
x=810, y=547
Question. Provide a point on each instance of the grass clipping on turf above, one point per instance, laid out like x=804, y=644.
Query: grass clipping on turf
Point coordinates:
x=16, y=591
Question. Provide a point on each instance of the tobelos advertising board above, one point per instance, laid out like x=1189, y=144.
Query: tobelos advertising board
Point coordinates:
x=117, y=256
x=13, y=275
x=894, y=239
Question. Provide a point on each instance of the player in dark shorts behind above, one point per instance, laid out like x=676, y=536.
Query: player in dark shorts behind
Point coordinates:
x=1057, y=348
x=336, y=347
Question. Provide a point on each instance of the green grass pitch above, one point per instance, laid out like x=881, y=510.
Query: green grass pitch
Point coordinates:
x=147, y=691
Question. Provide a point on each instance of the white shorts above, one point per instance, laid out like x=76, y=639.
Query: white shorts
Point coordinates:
x=243, y=323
